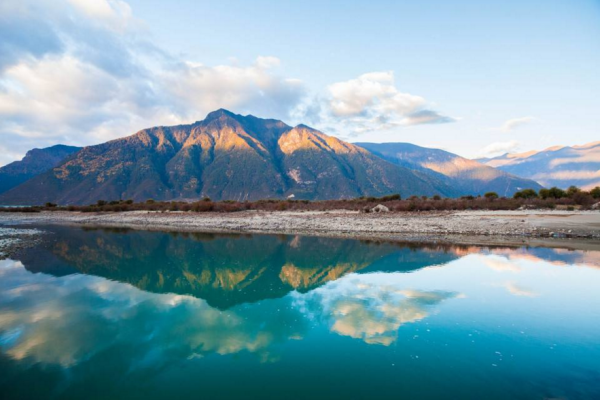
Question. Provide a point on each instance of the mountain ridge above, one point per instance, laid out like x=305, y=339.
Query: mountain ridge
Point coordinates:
x=468, y=176
x=35, y=162
x=226, y=156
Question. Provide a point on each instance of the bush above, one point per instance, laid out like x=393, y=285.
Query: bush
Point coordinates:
x=526, y=194
x=437, y=197
x=552, y=193
x=101, y=203
x=491, y=195
x=50, y=205
x=595, y=192
x=150, y=201
x=572, y=190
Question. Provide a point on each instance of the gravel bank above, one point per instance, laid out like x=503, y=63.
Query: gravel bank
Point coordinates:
x=488, y=226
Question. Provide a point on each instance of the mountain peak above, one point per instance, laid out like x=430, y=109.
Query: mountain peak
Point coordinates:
x=221, y=112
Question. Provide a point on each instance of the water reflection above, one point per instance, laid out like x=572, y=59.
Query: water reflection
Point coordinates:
x=89, y=308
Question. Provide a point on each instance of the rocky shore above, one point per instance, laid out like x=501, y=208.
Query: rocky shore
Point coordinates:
x=474, y=227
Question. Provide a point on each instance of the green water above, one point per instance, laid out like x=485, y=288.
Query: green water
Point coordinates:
x=101, y=314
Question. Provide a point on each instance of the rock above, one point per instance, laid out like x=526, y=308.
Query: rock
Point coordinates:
x=596, y=206
x=380, y=208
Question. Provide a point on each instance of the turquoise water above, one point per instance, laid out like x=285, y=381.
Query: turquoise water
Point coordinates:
x=110, y=314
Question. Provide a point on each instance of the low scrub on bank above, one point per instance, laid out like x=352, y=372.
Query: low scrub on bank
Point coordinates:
x=570, y=199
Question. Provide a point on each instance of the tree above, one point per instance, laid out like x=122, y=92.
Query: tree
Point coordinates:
x=572, y=190
x=556, y=193
x=595, y=192
x=491, y=195
x=101, y=203
x=526, y=194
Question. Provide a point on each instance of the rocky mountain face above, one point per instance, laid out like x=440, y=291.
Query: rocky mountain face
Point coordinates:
x=35, y=162
x=560, y=166
x=225, y=156
x=467, y=176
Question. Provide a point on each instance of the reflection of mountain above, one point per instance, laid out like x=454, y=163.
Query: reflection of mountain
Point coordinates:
x=224, y=270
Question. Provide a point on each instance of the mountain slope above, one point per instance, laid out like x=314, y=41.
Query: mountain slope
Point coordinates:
x=467, y=176
x=555, y=166
x=34, y=163
x=225, y=156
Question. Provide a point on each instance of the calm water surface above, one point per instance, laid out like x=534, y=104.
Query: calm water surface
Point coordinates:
x=101, y=314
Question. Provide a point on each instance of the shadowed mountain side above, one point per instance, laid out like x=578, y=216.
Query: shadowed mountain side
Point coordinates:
x=225, y=156
x=223, y=270
x=466, y=176
x=35, y=162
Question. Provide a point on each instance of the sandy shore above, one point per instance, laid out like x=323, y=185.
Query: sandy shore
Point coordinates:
x=549, y=228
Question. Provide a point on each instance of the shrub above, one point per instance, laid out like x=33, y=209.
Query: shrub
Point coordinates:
x=491, y=195
x=526, y=194
x=150, y=201
x=436, y=197
x=101, y=203
x=50, y=205
x=206, y=199
x=595, y=192
x=390, y=197
x=556, y=193
x=572, y=190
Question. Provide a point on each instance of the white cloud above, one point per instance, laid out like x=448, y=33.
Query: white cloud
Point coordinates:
x=78, y=72
x=81, y=75
x=514, y=123
x=372, y=102
x=498, y=148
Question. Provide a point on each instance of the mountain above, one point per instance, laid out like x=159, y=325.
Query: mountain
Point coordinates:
x=466, y=176
x=225, y=156
x=34, y=163
x=560, y=166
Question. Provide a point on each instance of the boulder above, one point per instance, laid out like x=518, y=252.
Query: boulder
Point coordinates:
x=596, y=206
x=380, y=208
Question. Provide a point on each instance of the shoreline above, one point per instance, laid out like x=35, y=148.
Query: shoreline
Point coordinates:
x=578, y=230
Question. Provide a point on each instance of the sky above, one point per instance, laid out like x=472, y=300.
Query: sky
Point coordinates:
x=471, y=77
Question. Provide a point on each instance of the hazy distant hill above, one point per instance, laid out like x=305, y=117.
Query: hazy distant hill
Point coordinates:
x=34, y=163
x=560, y=166
x=466, y=176
x=225, y=156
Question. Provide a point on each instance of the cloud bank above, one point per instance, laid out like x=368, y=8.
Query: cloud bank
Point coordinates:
x=82, y=72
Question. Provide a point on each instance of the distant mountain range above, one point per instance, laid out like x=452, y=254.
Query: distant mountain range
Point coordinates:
x=228, y=156
x=35, y=162
x=560, y=166
x=466, y=176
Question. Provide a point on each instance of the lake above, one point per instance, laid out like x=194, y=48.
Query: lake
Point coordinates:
x=97, y=314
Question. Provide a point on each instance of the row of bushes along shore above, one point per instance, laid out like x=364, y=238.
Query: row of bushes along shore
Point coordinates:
x=554, y=198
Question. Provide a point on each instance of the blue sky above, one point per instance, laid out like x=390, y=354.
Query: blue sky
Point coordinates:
x=475, y=78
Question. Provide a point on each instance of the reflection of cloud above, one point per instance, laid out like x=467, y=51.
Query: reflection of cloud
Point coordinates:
x=500, y=264
x=373, y=313
x=70, y=319
x=518, y=290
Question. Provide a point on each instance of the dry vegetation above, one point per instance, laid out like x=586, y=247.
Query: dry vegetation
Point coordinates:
x=571, y=199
